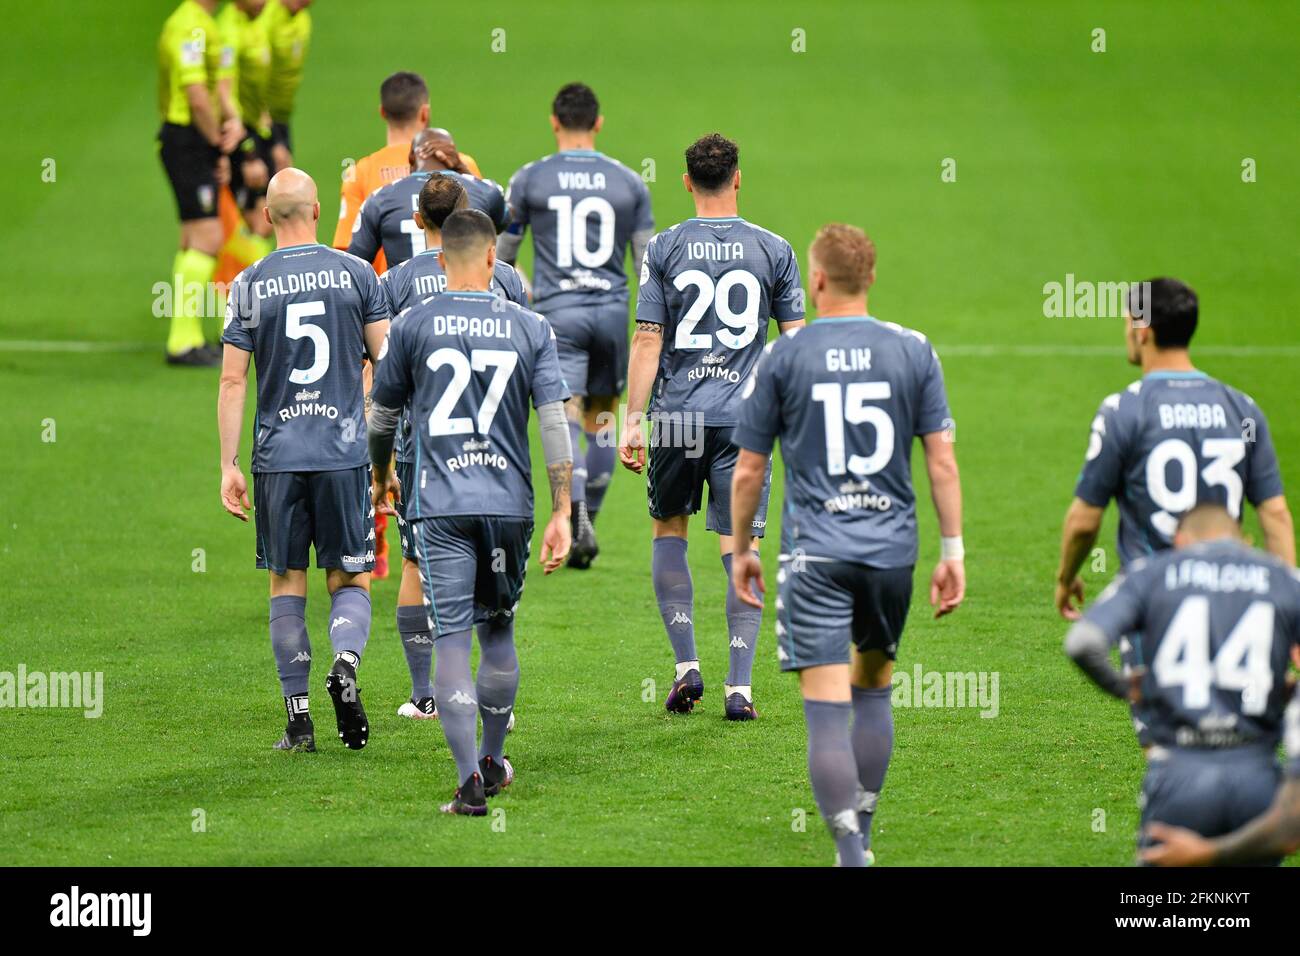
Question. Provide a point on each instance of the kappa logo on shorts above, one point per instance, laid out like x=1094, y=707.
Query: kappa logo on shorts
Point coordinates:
x=207, y=197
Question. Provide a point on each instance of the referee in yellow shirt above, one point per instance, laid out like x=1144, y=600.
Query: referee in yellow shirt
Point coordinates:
x=288, y=26
x=200, y=124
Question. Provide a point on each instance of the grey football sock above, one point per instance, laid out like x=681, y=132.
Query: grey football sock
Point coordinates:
x=676, y=596
x=350, y=620
x=743, y=622
x=453, y=686
x=290, y=644
x=578, y=484
x=873, y=741
x=834, y=775
x=601, y=455
x=417, y=645
x=497, y=684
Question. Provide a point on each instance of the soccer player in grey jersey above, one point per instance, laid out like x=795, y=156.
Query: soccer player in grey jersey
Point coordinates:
x=414, y=281
x=468, y=363
x=388, y=216
x=307, y=315
x=1172, y=439
x=708, y=287
x=847, y=396
x=1218, y=623
x=585, y=210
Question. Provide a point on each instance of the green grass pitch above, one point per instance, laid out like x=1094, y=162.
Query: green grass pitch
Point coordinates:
x=1106, y=165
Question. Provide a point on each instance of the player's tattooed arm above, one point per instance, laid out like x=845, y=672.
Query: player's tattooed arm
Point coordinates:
x=558, y=452
x=654, y=328
x=560, y=476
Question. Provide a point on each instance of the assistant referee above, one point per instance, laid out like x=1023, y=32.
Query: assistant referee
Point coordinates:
x=197, y=128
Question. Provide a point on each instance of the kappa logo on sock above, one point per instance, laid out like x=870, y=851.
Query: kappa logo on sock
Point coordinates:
x=679, y=618
x=339, y=620
x=844, y=823
x=496, y=710
x=460, y=697
x=737, y=642
x=419, y=639
x=302, y=658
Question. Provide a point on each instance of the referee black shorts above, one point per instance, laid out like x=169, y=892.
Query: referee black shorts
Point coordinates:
x=280, y=135
x=254, y=146
x=191, y=165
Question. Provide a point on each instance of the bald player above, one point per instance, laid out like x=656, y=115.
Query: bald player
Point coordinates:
x=306, y=315
x=1218, y=622
x=388, y=216
x=404, y=108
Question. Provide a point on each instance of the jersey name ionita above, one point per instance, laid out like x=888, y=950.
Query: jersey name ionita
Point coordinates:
x=714, y=284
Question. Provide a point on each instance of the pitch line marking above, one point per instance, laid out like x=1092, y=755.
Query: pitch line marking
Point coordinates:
x=945, y=351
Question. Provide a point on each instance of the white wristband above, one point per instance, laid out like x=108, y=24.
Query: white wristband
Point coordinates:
x=951, y=549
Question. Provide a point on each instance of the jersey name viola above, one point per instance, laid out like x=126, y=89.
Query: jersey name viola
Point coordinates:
x=583, y=208
x=846, y=397
x=713, y=284
x=467, y=364
x=387, y=216
x=1169, y=441
x=417, y=279
x=1213, y=626
x=301, y=311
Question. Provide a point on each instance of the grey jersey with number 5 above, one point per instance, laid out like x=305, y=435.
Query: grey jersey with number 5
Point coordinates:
x=713, y=284
x=468, y=365
x=417, y=279
x=1169, y=441
x=1213, y=625
x=846, y=397
x=583, y=208
x=301, y=311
